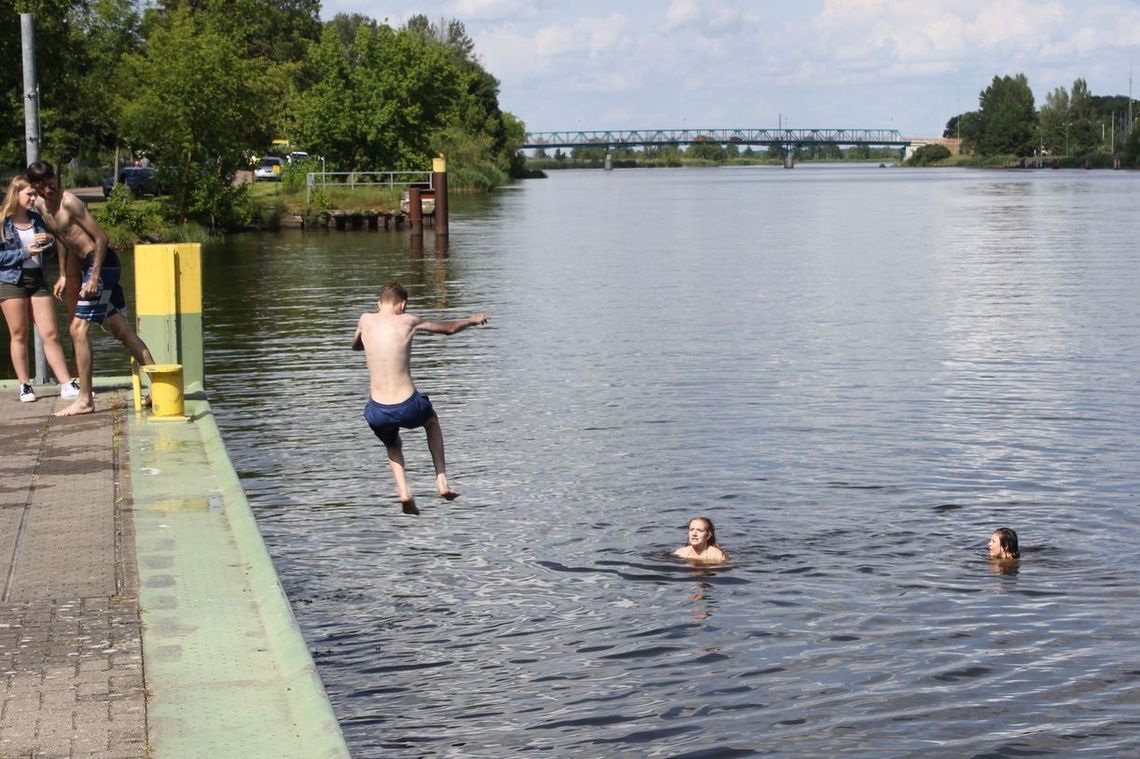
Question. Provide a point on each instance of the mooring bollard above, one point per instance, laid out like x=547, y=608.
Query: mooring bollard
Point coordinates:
x=167, y=396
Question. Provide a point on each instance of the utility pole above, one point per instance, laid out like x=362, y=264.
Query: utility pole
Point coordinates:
x=1128, y=127
x=32, y=148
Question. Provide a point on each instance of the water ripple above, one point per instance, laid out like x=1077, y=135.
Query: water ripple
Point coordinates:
x=857, y=381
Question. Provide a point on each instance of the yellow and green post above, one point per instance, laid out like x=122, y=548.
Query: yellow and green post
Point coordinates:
x=168, y=301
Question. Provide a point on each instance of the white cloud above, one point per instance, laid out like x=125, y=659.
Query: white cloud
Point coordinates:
x=491, y=10
x=681, y=13
x=742, y=63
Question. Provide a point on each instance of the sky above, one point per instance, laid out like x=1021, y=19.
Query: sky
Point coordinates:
x=802, y=64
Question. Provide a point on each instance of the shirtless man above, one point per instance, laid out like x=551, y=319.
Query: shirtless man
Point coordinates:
x=101, y=297
x=385, y=336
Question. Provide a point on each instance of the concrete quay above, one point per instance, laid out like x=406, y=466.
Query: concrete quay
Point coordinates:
x=140, y=614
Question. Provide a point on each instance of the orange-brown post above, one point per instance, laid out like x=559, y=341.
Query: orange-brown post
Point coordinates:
x=415, y=210
x=439, y=183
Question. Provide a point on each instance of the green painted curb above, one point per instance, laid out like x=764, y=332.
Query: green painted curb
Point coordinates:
x=227, y=669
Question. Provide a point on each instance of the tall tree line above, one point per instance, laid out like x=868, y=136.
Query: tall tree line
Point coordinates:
x=1072, y=122
x=201, y=85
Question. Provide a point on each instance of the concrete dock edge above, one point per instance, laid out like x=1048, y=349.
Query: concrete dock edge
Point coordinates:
x=227, y=668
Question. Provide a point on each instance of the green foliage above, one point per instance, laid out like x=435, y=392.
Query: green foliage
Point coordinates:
x=127, y=221
x=928, y=154
x=377, y=104
x=206, y=83
x=118, y=209
x=295, y=175
x=486, y=177
x=706, y=151
x=210, y=198
x=1007, y=118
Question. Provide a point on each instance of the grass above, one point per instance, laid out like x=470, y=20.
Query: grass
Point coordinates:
x=282, y=197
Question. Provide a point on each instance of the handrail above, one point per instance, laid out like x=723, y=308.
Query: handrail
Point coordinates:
x=390, y=179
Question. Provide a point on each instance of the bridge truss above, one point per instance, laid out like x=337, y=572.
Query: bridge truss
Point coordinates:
x=767, y=137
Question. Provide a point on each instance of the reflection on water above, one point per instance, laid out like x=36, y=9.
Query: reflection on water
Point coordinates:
x=858, y=373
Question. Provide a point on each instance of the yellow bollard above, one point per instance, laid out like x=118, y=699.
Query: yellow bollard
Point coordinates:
x=166, y=393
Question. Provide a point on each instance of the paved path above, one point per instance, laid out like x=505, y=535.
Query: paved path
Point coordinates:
x=71, y=663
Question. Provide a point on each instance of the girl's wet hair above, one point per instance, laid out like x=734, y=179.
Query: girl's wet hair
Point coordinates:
x=1007, y=538
x=712, y=529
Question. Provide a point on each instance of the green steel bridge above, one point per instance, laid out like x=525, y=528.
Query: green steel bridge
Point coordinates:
x=784, y=138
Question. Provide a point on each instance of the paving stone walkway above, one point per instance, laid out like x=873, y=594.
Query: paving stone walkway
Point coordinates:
x=71, y=667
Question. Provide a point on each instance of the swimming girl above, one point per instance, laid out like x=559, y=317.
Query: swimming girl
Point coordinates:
x=702, y=542
x=1003, y=545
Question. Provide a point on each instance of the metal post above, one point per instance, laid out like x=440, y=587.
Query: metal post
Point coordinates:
x=32, y=151
x=439, y=183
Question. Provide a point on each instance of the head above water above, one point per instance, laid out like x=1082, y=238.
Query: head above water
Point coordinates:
x=1003, y=544
x=393, y=293
x=702, y=527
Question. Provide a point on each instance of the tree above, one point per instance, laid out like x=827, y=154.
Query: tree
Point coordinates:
x=192, y=101
x=1007, y=117
x=1053, y=119
x=380, y=103
x=77, y=47
x=1084, y=132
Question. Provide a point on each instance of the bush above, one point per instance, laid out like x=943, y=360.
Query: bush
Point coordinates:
x=127, y=221
x=484, y=177
x=294, y=174
x=928, y=154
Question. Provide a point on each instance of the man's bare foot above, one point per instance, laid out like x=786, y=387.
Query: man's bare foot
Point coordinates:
x=448, y=495
x=77, y=407
x=409, y=506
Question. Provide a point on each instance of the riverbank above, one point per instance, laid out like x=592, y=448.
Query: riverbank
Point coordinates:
x=142, y=613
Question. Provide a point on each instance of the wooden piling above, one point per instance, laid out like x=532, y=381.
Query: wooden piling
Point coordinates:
x=415, y=210
x=439, y=183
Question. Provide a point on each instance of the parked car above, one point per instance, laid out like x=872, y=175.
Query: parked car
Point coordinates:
x=140, y=179
x=297, y=156
x=269, y=169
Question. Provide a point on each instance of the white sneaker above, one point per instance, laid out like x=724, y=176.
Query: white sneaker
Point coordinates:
x=69, y=390
x=27, y=395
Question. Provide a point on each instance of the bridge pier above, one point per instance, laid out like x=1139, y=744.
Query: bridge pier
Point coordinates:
x=789, y=159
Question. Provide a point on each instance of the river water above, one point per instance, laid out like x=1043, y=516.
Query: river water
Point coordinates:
x=856, y=372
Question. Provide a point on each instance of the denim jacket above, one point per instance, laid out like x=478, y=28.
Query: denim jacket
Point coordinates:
x=12, y=256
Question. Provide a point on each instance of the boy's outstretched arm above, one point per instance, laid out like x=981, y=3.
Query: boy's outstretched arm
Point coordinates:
x=450, y=328
x=358, y=340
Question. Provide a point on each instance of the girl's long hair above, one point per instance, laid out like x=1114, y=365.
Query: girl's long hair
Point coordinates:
x=15, y=187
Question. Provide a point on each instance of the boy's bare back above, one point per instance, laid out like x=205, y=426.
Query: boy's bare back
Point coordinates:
x=386, y=339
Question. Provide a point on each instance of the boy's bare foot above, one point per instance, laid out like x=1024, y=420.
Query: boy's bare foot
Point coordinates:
x=445, y=492
x=409, y=506
x=77, y=407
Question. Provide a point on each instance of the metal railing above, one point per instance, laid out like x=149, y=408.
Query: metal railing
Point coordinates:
x=354, y=179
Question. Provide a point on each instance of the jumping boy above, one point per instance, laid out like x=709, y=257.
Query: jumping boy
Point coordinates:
x=386, y=339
